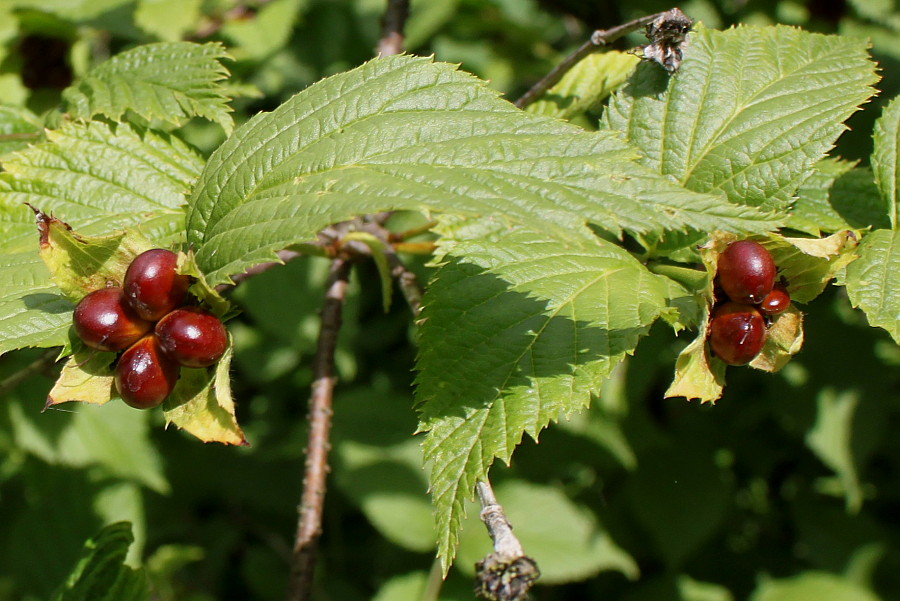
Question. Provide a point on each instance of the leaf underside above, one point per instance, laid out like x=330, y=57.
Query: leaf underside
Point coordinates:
x=874, y=279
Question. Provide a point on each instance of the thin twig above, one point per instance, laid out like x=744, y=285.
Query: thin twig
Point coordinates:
x=598, y=39
x=309, y=525
x=506, y=574
x=506, y=545
x=45, y=360
x=392, y=23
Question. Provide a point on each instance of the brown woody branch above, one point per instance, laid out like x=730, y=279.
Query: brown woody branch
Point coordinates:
x=392, y=23
x=309, y=526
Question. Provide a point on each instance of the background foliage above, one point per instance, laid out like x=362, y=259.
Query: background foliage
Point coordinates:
x=787, y=487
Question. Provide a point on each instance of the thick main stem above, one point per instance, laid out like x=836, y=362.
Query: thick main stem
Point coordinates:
x=309, y=525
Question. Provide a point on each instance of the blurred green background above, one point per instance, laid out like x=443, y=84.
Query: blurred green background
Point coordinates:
x=786, y=490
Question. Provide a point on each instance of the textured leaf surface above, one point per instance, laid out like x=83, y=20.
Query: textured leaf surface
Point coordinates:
x=168, y=81
x=519, y=329
x=583, y=87
x=97, y=179
x=18, y=128
x=751, y=110
x=101, y=573
x=886, y=159
x=873, y=280
x=403, y=132
x=564, y=538
x=837, y=196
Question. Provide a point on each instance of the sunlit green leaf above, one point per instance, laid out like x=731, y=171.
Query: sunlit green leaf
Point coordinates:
x=166, y=81
x=886, y=159
x=586, y=85
x=404, y=132
x=515, y=335
x=873, y=280
x=750, y=112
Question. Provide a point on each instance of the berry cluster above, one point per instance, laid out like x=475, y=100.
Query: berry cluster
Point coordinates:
x=146, y=318
x=737, y=327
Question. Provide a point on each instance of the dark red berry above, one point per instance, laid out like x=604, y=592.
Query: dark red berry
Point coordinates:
x=151, y=285
x=736, y=333
x=777, y=301
x=191, y=336
x=746, y=271
x=104, y=321
x=145, y=376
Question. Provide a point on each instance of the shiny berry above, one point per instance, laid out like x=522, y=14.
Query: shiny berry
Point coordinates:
x=104, y=321
x=777, y=301
x=145, y=376
x=193, y=337
x=736, y=333
x=746, y=271
x=151, y=285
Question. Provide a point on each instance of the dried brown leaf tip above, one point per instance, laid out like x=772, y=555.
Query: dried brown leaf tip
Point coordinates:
x=667, y=34
x=43, y=223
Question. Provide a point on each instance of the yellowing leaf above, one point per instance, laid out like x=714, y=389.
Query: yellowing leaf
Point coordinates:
x=783, y=340
x=79, y=265
x=201, y=404
x=87, y=377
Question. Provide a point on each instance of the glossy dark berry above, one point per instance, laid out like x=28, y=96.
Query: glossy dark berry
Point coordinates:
x=145, y=376
x=104, y=321
x=777, y=301
x=151, y=285
x=746, y=271
x=736, y=333
x=193, y=337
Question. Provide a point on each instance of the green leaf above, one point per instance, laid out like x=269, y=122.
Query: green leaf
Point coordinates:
x=886, y=159
x=168, y=20
x=518, y=329
x=562, y=537
x=19, y=127
x=585, y=86
x=750, y=112
x=830, y=440
x=266, y=31
x=99, y=180
x=167, y=81
x=680, y=497
x=403, y=132
x=101, y=574
x=378, y=466
x=837, y=196
x=873, y=280
x=811, y=586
